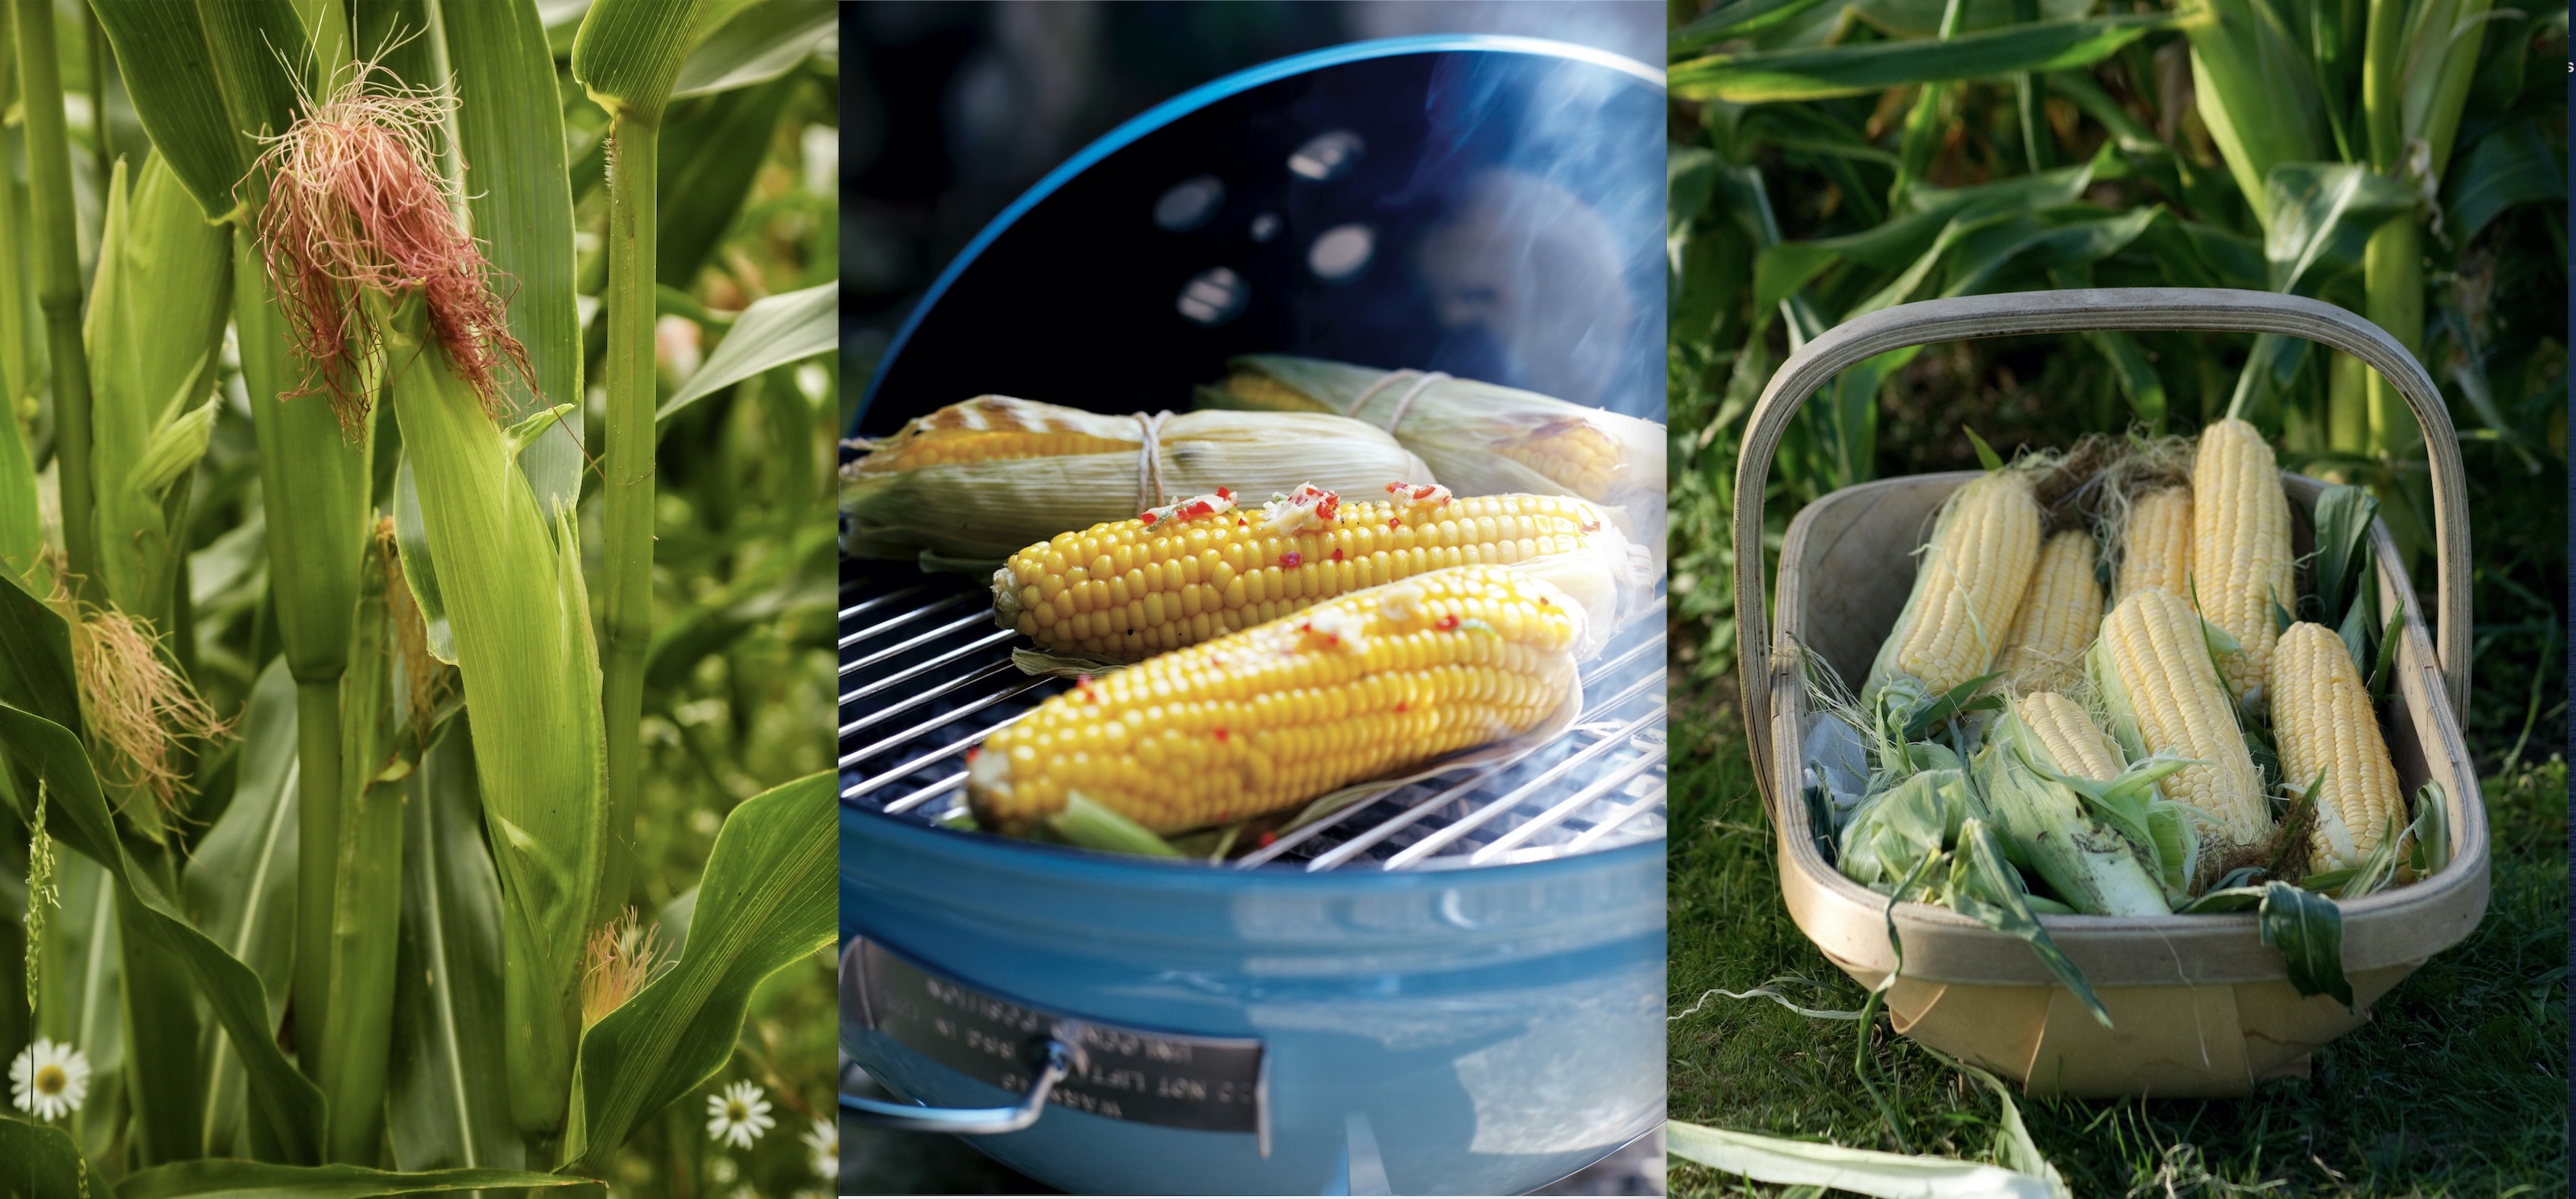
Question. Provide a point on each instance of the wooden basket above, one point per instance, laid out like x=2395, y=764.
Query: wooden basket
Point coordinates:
x=2200, y=1006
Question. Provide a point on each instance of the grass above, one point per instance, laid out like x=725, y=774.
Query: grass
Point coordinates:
x=2453, y=1088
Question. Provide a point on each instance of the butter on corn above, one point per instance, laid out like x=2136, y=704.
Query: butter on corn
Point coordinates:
x=982, y=478
x=1205, y=567
x=1276, y=715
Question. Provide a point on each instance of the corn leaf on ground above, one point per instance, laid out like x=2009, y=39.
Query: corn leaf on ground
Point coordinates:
x=1204, y=568
x=1268, y=718
x=983, y=478
x=2323, y=723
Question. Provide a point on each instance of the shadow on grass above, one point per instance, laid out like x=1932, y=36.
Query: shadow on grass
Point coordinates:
x=2454, y=1087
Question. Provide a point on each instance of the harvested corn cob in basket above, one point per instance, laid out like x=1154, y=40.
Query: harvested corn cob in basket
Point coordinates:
x=2150, y=781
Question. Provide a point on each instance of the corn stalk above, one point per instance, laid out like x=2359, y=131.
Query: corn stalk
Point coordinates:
x=58, y=285
x=627, y=55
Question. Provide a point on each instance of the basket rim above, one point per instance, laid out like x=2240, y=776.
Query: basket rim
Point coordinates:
x=2106, y=947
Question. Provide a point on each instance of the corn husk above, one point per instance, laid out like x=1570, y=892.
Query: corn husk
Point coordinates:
x=1481, y=439
x=990, y=509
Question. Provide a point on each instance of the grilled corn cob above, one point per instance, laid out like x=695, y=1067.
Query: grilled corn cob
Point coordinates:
x=2152, y=669
x=2240, y=548
x=2155, y=544
x=1967, y=584
x=2322, y=721
x=1202, y=568
x=982, y=478
x=1278, y=714
x=2060, y=612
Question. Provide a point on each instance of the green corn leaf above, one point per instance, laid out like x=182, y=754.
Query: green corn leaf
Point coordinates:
x=710, y=150
x=1733, y=20
x=1860, y=1171
x=241, y=882
x=448, y=1108
x=775, y=331
x=45, y=1164
x=1986, y=455
x=629, y=52
x=22, y=532
x=212, y=1179
x=2144, y=389
x=2513, y=165
x=1091, y=825
x=287, y=1106
x=2257, y=92
x=756, y=43
x=1983, y=887
x=2308, y=930
x=764, y=902
x=2322, y=214
x=2428, y=839
x=264, y=61
x=2343, y=516
x=173, y=451
x=36, y=658
x=2384, y=667
x=420, y=569
x=510, y=128
x=169, y=72
x=1818, y=74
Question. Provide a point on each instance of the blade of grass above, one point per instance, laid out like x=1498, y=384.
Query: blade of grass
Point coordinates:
x=213, y=1179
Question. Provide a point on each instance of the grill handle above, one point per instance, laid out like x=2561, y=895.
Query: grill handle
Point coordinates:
x=2205, y=309
x=1054, y=1061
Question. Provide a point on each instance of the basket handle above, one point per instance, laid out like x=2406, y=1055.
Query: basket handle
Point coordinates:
x=2124, y=308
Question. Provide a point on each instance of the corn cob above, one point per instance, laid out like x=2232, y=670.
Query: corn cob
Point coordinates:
x=982, y=478
x=1200, y=569
x=2155, y=544
x=2322, y=721
x=2153, y=672
x=2060, y=612
x=2065, y=738
x=2045, y=829
x=1276, y=715
x=2240, y=547
x=1967, y=584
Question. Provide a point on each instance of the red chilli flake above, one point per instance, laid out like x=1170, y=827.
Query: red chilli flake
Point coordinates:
x=1423, y=493
x=1446, y=622
x=1147, y=517
x=1337, y=554
x=1220, y=734
x=1289, y=560
x=355, y=208
x=1399, y=705
x=1267, y=838
x=1224, y=493
x=970, y=754
x=1395, y=522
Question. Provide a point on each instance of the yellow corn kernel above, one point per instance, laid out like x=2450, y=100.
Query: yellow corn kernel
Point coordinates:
x=2322, y=721
x=2155, y=544
x=1344, y=547
x=2074, y=744
x=2153, y=671
x=1275, y=715
x=2240, y=547
x=1968, y=582
x=2060, y=612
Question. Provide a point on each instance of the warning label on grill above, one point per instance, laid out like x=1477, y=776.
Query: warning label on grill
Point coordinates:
x=1169, y=1079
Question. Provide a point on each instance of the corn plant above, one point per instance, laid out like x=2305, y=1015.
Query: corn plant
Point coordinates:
x=1833, y=159
x=319, y=798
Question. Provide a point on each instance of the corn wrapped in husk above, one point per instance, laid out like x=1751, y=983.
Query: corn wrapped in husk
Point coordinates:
x=1480, y=438
x=982, y=479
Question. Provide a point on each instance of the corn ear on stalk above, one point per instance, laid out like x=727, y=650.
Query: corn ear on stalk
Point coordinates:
x=983, y=478
x=2152, y=669
x=1203, y=568
x=2240, y=548
x=1479, y=438
x=2155, y=544
x=2046, y=831
x=2322, y=722
x=2060, y=612
x=1273, y=716
x=1968, y=582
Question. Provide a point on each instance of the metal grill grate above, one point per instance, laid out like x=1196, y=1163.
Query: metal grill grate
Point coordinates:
x=925, y=676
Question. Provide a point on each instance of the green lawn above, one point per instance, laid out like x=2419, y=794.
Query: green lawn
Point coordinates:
x=2453, y=1088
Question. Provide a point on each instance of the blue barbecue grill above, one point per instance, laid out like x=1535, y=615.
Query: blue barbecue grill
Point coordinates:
x=1457, y=985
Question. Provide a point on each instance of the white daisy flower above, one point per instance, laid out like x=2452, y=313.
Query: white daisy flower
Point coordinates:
x=721, y=1171
x=825, y=1140
x=50, y=1079
x=738, y=1114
